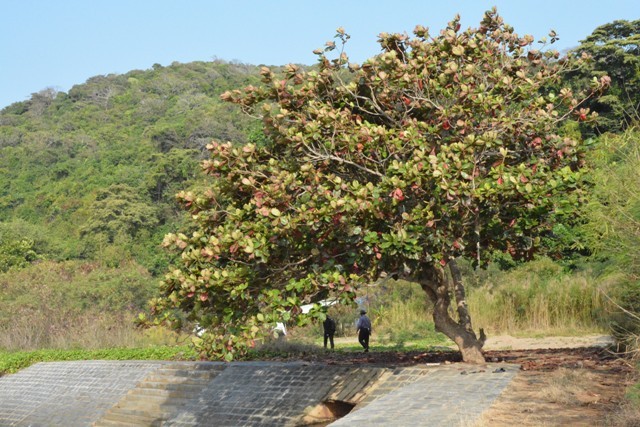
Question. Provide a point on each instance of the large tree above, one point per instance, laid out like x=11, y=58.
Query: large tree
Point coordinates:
x=442, y=146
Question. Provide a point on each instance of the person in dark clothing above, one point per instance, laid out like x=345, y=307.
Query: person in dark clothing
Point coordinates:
x=329, y=326
x=363, y=328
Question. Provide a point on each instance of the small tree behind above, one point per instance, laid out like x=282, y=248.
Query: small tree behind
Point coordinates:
x=439, y=147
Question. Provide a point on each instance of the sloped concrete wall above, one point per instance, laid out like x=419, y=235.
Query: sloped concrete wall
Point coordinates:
x=450, y=395
x=67, y=393
x=251, y=393
x=269, y=394
x=179, y=394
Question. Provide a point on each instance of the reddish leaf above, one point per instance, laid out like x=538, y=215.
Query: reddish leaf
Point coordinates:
x=397, y=194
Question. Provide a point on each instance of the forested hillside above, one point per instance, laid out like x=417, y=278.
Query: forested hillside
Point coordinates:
x=92, y=174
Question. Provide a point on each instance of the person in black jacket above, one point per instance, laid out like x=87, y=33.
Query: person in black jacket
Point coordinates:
x=329, y=326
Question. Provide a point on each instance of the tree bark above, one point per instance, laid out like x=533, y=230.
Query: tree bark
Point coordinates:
x=439, y=288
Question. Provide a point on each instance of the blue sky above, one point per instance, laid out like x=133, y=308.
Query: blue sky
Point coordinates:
x=47, y=43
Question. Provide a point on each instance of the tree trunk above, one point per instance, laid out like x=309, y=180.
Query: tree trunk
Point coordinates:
x=439, y=289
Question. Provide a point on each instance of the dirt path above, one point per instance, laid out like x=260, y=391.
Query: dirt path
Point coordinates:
x=507, y=342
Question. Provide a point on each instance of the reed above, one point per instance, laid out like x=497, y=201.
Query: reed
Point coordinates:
x=539, y=298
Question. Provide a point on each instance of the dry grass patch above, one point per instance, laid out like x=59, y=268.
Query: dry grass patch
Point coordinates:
x=33, y=330
x=626, y=415
x=563, y=397
x=570, y=387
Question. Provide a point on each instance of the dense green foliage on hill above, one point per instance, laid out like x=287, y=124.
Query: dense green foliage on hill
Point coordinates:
x=92, y=173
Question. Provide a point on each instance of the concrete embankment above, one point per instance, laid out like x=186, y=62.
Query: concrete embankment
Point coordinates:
x=112, y=393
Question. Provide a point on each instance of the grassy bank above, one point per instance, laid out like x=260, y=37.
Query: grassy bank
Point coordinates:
x=11, y=362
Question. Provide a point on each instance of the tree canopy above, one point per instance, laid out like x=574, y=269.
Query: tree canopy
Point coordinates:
x=442, y=146
x=613, y=49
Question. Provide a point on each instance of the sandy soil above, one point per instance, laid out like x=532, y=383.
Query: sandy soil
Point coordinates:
x=507, y=342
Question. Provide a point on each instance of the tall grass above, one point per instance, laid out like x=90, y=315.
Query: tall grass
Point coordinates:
x=538, y=298
x=71, y=305
x=35, y=330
